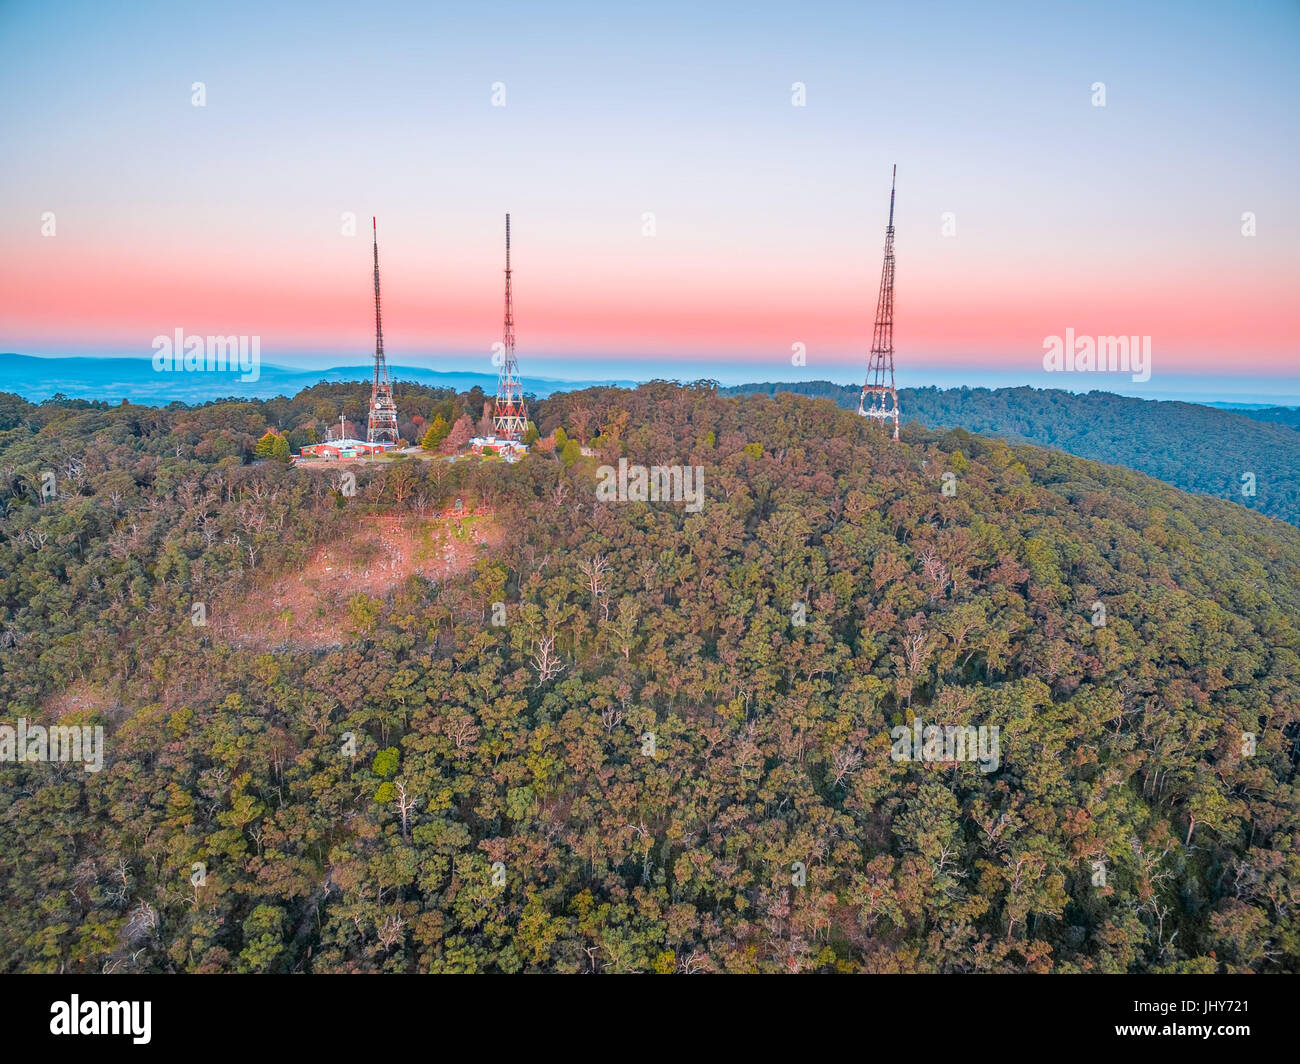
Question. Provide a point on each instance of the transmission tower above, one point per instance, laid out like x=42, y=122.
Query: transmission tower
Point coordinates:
x=509, y=417
x=382, y=426
x=879, y=396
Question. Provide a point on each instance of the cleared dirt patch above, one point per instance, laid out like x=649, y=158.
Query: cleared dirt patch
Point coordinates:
x=80, y=697
x=308, y=609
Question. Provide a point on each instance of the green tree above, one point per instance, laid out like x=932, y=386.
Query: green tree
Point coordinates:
x=263, y=939
x=272, y=445
x=438, y=430
x=385, y=764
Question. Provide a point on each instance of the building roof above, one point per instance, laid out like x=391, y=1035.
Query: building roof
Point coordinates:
x=343, y=445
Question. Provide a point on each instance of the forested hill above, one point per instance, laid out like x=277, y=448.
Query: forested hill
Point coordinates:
x=1196, y=448
x=1281, y=415
x=628, y=737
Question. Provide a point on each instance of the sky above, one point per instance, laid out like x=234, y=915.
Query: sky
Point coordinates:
x=673, y=212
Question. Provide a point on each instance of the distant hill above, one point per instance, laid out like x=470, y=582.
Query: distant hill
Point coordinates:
x=1194, y=447
x=135, y=379
x=1281, y=415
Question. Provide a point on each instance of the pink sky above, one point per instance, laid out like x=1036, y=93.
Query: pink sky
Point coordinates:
x=72, y=296
x=225, y=218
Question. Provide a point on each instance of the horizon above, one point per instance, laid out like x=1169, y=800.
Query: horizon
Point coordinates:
x=1194, y=389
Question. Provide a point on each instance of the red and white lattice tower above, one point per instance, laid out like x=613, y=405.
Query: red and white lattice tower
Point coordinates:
x=382, y=426
x=879, y=396
x=509, y=416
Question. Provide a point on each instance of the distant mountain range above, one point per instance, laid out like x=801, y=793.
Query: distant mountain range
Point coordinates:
x=1281, y=415
x=1201, y=448
x=135, y=379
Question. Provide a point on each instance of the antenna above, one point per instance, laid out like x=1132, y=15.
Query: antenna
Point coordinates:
x=382, y=424
x=381, y=364
x=892, y=183
x=879, y=398
x=509, y=416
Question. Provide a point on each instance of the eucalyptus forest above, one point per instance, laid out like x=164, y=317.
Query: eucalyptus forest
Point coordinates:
x=583, y=736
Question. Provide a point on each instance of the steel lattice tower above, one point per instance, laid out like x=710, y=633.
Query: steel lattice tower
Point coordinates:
x=879, y=396
x=382, y=426
x=509, y=417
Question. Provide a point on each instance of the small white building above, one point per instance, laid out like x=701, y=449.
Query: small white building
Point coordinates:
x=510, y=451
x=342, y=450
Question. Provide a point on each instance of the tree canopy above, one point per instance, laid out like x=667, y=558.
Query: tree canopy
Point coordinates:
x=635, y=738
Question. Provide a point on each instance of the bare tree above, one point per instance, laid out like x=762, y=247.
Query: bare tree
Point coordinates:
x=122, y=883
x=694, y=964
x=405, y=803
x=209, y=529
x=74, y=469
x=461, y=730
x=391, y=931
x=545, y=660
x=594, y=569
x=844, y=762
x=916, y=652
x=935, y=570
x=142, y=922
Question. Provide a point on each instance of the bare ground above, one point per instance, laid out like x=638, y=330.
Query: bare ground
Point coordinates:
x=307, y=609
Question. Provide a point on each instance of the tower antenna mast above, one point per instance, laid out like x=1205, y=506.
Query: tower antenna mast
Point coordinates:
x=879, y=398
x=509, y=416
x=382, y=425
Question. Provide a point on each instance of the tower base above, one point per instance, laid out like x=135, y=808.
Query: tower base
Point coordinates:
x=880, y=404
